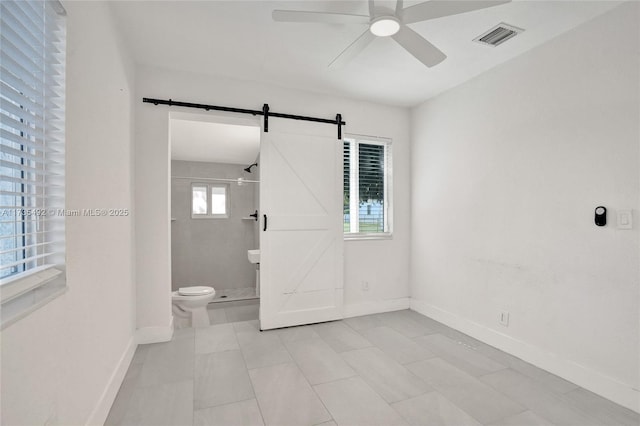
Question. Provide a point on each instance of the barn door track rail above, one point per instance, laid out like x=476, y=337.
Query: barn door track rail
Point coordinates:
x=264, y=112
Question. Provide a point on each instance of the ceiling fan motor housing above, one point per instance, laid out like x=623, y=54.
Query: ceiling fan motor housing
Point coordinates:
x=384, y=26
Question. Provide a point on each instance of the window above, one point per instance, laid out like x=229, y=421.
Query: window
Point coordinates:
x=32, y=155
x=209, y=200
x=367, y=188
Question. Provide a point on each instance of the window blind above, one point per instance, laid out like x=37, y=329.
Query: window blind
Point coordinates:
x=371, y=191
x=367, y=189
x=32, y=71
x=346, y=161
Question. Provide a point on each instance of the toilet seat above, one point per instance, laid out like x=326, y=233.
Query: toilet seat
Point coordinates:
x=195, y=291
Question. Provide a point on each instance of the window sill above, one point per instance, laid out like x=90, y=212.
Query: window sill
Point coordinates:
x=210, y=216
x=39, y=287
x=361, y=237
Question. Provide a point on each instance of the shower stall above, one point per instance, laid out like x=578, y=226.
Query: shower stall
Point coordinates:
x=214, y=223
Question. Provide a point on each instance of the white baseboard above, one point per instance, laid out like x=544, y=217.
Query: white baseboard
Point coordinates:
x=581, y=375
x=367, y=308
x=146, y=335
x=101, y=411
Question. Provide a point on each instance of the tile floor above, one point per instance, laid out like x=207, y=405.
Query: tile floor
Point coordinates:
x=230, y=294
x=397, y=368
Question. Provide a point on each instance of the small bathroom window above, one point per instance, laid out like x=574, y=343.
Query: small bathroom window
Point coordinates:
x=209, y=200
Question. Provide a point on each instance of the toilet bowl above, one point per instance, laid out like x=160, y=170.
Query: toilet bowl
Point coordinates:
x=191, y=303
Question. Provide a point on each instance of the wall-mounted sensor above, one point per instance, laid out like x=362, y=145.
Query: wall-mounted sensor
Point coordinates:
x=601, y=216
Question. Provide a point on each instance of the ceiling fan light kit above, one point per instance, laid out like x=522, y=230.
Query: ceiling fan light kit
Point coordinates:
x=385, y=26
x=394, y=26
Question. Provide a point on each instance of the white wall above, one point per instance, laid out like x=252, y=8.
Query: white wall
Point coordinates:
x=383, y=263
x=60, y=365
x=506, y=172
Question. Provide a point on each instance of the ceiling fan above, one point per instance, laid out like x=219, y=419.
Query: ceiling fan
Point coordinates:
x=390, y=24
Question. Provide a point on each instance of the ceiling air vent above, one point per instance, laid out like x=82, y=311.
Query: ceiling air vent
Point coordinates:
x=498, y=34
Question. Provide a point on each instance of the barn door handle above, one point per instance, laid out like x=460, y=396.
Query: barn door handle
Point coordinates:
x=265, y=222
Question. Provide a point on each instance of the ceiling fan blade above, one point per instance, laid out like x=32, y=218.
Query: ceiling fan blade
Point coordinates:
x=399, y=7
x=318, y=17
x=352, y=50
x=372, y=9
x=439, y=8
x=415, y=44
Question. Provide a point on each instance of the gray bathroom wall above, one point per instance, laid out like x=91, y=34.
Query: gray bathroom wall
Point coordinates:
x=212, y=251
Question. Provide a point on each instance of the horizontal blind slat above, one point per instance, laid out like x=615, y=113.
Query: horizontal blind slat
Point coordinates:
x=35, y=234
x=28, y=260
x=40, y=183
x=35, y=131
x=27, y=96
x=43, y=220
x=30, y=194
x=5, y=136
x=32, y=63
x=31, y=29
x=30, y=160
x=22, y=167
x=11, y=65
x=16, y=110
x=24, y=154
x=29, y=247
x=10, y=36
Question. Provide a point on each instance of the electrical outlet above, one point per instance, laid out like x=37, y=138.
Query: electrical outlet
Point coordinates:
x=365, y=285
x=504, y=318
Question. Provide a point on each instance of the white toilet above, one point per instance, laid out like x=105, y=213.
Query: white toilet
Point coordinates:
x=191, y=303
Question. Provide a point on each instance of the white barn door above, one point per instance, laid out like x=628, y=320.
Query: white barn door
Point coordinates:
x=301, y=272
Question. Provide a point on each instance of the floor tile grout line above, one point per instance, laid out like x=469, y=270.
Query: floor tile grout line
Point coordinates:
x=498, y=361
x=525, y=408
x=309, y=383
x=573, y=404
x=390, y=404
x=358, y=332
x=548, y=392
x=404, y=366
x=358, y=374
x=244, y=360
x=246, y=369
x=209, y=407
x=522, y=412
x=193, y=382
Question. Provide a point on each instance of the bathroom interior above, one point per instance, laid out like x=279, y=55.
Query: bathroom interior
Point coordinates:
x=215, y=176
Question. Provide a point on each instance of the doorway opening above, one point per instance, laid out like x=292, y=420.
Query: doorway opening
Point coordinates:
x=215, y=177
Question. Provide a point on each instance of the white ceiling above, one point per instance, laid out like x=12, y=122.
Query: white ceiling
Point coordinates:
x=196, y=138
x=239, y=39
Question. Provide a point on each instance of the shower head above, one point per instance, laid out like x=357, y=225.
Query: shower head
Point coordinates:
x=248, y=169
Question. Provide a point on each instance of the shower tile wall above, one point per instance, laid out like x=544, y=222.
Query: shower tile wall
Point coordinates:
x=212, y=252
